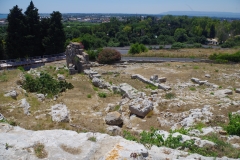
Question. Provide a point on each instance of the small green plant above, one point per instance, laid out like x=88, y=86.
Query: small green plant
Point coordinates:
x=95, y=88
x=152, y=87
x=199, y=126
x=181, y=130
x=110, y=82
x=40, y=151
x=117, y=107
x=216, y=70
x=192, y=88
x=212, y=93
x=195, y=67
x=127, y=135
x=7, y=146
x=93, y=139
x=89, y=96
x=21, y=68
x=102, y=94
x=3, y=77
x=170, y=95
x=220, y=87
x=233, y=127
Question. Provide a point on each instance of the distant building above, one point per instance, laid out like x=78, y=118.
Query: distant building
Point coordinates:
x=213, y=41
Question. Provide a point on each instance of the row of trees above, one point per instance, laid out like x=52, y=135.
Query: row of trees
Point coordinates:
x=150, y=30
x=27, y=36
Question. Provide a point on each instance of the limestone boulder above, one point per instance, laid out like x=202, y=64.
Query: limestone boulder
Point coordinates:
x=60, y=113
x=97, y=82
x=113, y=118
x=41, y=97
x=1, y=117
x=141, y=107
x=25, y=105
x=114, y=130
x=60, y=77
x=12, y=94
x=237, y=90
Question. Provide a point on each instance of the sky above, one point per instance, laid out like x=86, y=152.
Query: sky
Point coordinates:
x=123, y=6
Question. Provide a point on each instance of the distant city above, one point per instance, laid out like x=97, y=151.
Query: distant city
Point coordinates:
x=105, y=17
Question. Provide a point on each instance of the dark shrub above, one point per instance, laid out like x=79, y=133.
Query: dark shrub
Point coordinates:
x=108, y=55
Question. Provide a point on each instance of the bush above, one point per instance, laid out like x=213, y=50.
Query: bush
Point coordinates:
x=93, y=54
x=102, y=95
x=178, y=45
x=224, y=57
x=233, y=127
x=45, y=84
x=108, y=55
x=137, y=48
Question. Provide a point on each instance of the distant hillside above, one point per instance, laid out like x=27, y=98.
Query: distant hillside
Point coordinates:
x=198, y=13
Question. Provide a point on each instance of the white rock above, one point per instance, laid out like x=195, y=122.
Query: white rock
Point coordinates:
x=25, y=106
x=141, y=107
x=12, y=94
x=60, y=77
x=113, y=118
x=41, y=97
x=60, y=113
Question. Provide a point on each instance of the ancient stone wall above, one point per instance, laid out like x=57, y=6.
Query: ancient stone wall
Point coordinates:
x=77, y=60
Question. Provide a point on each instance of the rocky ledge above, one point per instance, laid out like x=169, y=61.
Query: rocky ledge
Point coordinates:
x=18, y=143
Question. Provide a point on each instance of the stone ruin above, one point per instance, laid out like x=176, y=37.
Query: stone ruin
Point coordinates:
x=77, y=60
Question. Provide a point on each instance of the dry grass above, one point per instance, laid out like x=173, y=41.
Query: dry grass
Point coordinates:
x=183, y=53
x=71, y=150
x=40, y=151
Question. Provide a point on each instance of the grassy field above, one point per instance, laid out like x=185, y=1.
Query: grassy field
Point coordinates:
x=183, y=53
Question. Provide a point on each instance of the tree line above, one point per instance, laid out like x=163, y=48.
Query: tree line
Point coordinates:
x=151, y=31
x=27, y=36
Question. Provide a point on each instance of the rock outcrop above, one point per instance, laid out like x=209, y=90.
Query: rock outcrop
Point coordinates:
x=60, y=113
x=18, y=143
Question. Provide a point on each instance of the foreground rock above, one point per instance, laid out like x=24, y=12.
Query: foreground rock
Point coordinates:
x=18, y=143
x=12, y=94
x=60, y=113
x=114, y=118
x=25, y=105
x=141, y=107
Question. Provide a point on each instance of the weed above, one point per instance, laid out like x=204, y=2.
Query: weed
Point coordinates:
x=152, y=87
x=216, y=70
x=95, y=88
x=192, y=88
x=181, y=130
x=89, y=96
x=212, y=93
x=102, y=95
x=110, y=82
x=199, y=126
x=170, y=95
x=93, y=139
x=3, y=77
x=195, y=67
x=71, y=150
x=127, y=135
x=117, y=107
x=220, y=87
x=40, y=151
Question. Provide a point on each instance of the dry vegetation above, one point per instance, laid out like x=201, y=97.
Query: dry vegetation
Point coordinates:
x=87, y=112
x=184, y=53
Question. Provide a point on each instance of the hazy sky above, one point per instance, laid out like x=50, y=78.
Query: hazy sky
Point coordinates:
x=123, y=6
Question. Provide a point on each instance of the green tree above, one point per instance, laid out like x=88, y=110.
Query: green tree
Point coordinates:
x=32, y=37
x=180, y=35
x=15, y=33
x=212, y=32
x=1, y=49
x=54, y=41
